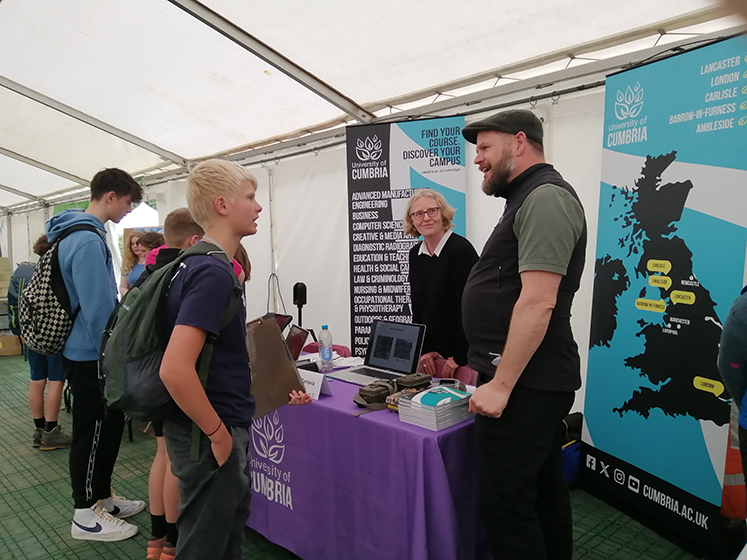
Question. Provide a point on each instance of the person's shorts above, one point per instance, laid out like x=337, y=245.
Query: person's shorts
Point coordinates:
x=45, y=367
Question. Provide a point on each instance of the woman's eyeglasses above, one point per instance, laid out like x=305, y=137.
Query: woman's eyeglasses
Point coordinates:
x=420, y=214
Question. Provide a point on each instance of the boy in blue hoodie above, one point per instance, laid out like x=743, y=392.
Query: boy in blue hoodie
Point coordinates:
x=86, y=265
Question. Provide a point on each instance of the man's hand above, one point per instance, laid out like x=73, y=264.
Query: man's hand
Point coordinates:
x=489, y=400
x=298, y=397
x=427, y=364
x=449, y=368
x=221, y=444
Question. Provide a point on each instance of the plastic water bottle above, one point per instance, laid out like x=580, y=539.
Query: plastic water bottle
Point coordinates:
x=325, y=349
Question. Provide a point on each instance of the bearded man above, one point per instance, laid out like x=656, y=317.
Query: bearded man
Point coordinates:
x=516, y=312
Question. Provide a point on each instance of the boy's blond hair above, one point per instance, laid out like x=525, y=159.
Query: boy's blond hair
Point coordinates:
x=180, y=226
x=209, y=180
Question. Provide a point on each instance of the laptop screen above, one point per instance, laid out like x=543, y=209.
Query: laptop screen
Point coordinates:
x=295, y=340
x=395, y=346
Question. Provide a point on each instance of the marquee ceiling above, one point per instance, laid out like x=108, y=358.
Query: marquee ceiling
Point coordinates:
x=152, y=85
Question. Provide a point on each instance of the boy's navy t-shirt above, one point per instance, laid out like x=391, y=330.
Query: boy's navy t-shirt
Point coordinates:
x=198, y=297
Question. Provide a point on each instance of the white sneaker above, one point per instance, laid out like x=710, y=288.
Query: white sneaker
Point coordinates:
x=119, y=507
x=94, y=524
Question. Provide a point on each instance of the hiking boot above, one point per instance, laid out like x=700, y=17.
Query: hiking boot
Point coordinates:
x=119, y=507
x=94, y=524
x=155, y=547
x=36, y=439
x=55, y=439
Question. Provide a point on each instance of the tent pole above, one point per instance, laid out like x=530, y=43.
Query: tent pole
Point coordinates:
x=273, y=241
x=9, y=224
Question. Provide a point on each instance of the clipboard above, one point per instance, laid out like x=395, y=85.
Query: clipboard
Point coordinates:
x=274, y=373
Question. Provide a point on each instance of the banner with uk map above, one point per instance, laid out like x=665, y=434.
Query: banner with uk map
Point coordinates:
x=385, y=163
x=670, y=260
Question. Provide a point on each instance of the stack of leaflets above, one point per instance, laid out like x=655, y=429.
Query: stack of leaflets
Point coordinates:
x=435, y=408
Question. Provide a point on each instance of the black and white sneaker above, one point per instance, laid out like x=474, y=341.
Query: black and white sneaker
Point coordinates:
x=120, y=507
x=94, y=524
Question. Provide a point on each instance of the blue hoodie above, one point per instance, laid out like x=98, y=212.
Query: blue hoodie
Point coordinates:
x=86, y=270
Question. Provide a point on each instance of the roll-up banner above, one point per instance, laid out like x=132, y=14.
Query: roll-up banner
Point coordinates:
x=670, y=260
x=386, y=162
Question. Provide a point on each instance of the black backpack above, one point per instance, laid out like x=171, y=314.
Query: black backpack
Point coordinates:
x=18, y=281
x=45, y=316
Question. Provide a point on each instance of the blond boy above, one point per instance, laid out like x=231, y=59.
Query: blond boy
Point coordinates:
x=214, y=491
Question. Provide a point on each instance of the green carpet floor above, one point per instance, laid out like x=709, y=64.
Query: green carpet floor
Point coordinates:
x=36, y=508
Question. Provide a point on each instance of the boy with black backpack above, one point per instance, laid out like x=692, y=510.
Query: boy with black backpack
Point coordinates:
x=47, y=371
x=215, y=489
x=86, y=266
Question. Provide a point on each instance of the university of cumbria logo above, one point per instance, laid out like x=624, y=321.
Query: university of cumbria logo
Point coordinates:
x=630, y=103
x=267, y=437
x=368, y=149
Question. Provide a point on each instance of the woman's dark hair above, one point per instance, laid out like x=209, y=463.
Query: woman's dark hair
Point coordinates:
x=151, y=240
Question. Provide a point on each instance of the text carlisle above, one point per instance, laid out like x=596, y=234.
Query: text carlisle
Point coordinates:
x=718, y=95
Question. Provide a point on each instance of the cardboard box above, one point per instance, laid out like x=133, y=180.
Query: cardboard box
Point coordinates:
x=10, y=345
x=5, y=274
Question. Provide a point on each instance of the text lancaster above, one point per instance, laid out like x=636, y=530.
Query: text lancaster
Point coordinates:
x=719, y=65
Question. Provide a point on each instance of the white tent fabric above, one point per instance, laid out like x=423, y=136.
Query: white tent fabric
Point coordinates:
x=151, y=86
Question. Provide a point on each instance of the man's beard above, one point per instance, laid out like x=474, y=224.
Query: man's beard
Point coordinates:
x=499, y=174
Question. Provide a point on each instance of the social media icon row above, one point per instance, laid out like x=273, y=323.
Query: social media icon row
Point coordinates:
x=634, y=484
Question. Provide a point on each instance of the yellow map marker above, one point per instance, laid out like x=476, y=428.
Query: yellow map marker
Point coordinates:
x=708, y=385
x=678, y=296
x=651, y=305
x=664, y=282
x=659, y=266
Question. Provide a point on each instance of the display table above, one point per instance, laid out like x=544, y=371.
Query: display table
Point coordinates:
x=329, y=485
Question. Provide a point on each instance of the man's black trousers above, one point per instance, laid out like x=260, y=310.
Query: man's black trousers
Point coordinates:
x=523, y=497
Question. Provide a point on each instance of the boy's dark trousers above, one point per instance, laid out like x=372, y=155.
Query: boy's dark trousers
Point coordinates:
x=97, y=434
x=524, y=501
x=213, y=501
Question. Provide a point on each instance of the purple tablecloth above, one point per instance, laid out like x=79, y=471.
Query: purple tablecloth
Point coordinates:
x=329, y=485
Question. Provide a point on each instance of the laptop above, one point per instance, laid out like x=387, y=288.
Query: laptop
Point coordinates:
x=296, y=339
x=393, y=351
x=282, y=320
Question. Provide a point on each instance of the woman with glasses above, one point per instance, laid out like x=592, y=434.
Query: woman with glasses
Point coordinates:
x=439, y=267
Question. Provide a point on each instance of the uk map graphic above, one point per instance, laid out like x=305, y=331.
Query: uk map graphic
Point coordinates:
x=679, y=325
